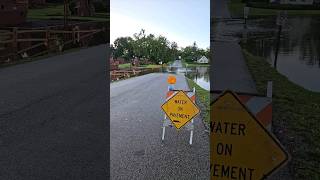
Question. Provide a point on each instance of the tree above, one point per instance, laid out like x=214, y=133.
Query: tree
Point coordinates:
x=123, y=47
x=154, y=48
x=192, y=53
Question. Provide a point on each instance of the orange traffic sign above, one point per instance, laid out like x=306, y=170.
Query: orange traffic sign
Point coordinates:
x=171, y=79
x=241, y=147
x=180, y=109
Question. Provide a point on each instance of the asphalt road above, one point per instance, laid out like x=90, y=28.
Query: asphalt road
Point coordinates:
x=219, y=9
x=229, y=69
x=136, y=149
x=53, y=117
x=176, y=64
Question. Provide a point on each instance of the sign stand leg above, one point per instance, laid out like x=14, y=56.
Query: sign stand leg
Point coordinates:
x=269, y=95
x=163, y=132
x=163, y=128
x=191, y=134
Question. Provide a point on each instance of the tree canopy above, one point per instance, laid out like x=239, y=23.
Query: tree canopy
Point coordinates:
x=154, y=48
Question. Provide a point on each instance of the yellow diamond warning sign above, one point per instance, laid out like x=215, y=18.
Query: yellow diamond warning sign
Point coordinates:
x=180, y=109
x=241, y=148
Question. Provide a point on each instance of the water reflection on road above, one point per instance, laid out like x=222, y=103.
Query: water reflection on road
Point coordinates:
x=299, y=52
x=199, y=74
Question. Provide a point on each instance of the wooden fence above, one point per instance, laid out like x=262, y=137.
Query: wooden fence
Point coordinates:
x=20, y=43
x=123, y=74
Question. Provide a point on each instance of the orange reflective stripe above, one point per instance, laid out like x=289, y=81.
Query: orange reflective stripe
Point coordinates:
x=265, y=115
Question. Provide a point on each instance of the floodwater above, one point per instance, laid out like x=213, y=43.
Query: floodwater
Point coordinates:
x=299, y=47
x=199, y=74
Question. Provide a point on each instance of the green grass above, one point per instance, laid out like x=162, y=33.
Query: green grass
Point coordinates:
x=152, y=66
x=204, y=97
x=124, y=66
x=236, y=10
x=196, y=64
x=127, y=65
x=55, y=11
x=297, y=112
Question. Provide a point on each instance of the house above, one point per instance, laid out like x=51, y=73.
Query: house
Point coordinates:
x=13, y=12
x=135, y=62
x=203, y=60
x=114, y=65
x=121, y=60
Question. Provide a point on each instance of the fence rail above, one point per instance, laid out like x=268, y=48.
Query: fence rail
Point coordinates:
x=122, y=74
x=16, y=43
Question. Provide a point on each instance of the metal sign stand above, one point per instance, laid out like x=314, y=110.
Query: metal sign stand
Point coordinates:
x=167, y=122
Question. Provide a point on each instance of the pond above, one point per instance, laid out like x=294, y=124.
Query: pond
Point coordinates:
x=299, y=48
x=198, y=74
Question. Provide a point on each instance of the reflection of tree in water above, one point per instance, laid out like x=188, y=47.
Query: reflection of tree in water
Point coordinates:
x=300, y=38
x=307, y=39
x=199, y=72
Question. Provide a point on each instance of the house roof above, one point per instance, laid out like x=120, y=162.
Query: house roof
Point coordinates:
x=203, y=58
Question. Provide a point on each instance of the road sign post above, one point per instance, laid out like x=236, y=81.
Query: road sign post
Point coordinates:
x=168, y=122
x=179, y=108
x=241, y=147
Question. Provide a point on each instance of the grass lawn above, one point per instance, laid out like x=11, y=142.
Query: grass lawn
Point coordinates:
x=296, y=117
x=204, y=97
x=236, y=10
x=127, y=65
x=124, y=66
x=55, y=11
x=152, y=66
x=196, y=64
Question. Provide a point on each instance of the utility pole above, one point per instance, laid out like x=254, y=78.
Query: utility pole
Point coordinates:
x=277, y=47
x=281, y=20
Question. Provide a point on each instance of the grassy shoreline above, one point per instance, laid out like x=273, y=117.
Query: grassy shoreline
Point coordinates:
x=196, y=65
x=295, y=117
x=203, y=96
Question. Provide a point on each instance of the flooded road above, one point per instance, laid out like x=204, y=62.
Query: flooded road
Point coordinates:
x=299, y=49
x=198, y=74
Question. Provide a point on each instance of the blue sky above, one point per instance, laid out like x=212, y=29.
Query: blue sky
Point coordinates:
x=182, y=21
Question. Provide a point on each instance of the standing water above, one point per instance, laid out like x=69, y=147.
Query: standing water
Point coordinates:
x=299, y=50
x=198, y=74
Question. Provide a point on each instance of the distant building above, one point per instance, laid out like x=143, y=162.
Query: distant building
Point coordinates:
x=120, y=60
x=114, y=65
x=13, y=12
x=135, y=62
x=203, y=60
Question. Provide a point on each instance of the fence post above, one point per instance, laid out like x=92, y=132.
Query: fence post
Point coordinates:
x=78, y=34
x=15, y=43
x=74, y=35
x=48, y=39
